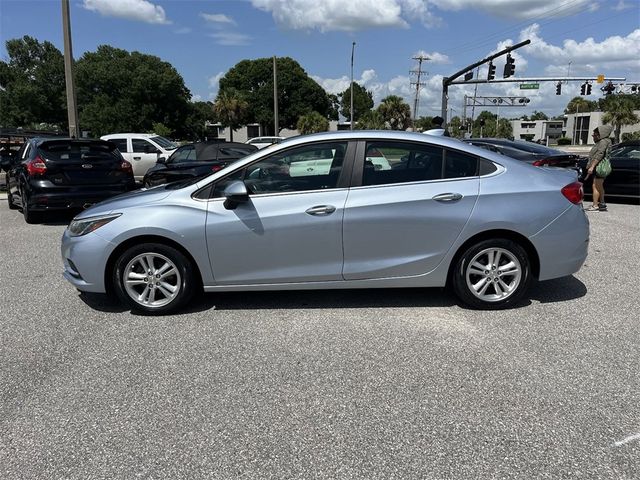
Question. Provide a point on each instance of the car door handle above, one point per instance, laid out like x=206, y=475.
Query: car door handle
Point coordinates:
x=321, y=210
x=137, y=158
x=448, y=197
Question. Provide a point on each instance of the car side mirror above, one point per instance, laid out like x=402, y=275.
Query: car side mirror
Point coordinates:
x=161, y=160
x=235, y=193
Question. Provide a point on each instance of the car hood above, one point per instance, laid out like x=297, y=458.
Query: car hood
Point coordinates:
x=143, y=196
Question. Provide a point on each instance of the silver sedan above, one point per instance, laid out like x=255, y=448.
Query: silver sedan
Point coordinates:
x=320, y=212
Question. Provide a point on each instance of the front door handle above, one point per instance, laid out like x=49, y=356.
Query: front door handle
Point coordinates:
x=321, y=210
x=137, y=158
x=448, y=197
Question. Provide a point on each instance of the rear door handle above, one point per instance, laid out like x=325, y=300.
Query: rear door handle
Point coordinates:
x=448, y=197
x=321, y=210
x=137, y=158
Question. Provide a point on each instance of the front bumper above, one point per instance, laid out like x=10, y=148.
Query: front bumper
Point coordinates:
x=84, y=260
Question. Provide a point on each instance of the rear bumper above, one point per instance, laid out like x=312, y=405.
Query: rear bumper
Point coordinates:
x=43, y=199
x=563, y=245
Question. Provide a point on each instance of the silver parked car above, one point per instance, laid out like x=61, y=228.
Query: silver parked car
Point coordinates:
x=316, y=212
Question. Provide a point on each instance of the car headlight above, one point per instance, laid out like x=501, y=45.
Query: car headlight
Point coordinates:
x=82, y=226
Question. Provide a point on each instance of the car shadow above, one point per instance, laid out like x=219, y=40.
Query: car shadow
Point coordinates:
x=551, y=291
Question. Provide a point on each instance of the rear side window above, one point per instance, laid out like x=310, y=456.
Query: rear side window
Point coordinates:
x=121, y=144
x=398, y=162
x=72, y=151
x=460, y=165
x=183, y=154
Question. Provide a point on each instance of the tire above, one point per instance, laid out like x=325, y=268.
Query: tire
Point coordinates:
x=29, y=215
x=12, y=206
x=170, y=285
x=492, y=274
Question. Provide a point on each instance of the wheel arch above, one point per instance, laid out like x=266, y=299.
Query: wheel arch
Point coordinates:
x=516, y=237
x=120, y=249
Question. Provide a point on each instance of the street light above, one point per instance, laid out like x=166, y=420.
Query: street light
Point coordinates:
x=353, y=47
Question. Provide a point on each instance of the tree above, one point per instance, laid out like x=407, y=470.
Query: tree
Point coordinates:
x=195, y=124
x=312, y=123
x=395, y=112
x=456, y=128
x=579, y=104
x=619, y=112
x=538, y=116
x=362, y=102
x=32, y=88
x=371, y=120
x=298, y=94
x=120, y=91
x=505, y=129
x=230, y=108
x=423, y=123
x=489, y=127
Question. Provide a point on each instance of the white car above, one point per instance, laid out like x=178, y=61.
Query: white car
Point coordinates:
x=141, y=150
x=262, y=142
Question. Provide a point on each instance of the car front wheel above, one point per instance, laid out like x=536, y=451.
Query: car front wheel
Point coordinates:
x=154, y=278
x=492, y=274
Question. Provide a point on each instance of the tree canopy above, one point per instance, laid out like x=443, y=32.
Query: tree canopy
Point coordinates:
x=312, y=123
x=298, y=94
x=120, y=91
x=32, y=88
x=362, y=102
x=395, y=112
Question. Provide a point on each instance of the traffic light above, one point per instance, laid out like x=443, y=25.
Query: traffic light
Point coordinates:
x=558, y=88
x=509, y=67
x=608, y=89
x=492, y=71
x=588, y=89
x=482, y=122
x=583, y=88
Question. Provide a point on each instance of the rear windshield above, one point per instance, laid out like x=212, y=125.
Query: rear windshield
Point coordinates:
x=76, y=151
x=164, y=143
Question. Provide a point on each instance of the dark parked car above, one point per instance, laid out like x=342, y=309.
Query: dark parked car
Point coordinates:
x=537, y=155
x=63, y=173
x=196, y=160
x=624, y=180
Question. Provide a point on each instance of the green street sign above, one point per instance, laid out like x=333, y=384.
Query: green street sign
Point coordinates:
x=529, y=86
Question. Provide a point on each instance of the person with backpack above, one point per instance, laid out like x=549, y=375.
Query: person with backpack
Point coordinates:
x=599, y=166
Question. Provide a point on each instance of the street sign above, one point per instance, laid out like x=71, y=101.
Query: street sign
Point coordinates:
x=529, y=86
x=600, y=79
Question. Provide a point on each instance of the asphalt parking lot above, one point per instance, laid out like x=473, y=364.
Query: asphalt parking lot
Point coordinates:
x=368, y=384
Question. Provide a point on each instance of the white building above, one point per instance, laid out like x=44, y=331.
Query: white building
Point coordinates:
x=534, y=130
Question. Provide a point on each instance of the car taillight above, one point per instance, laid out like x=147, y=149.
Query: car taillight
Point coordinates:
x=36, y=166
x=573, y=192
x=126, y=166
x=545, y=161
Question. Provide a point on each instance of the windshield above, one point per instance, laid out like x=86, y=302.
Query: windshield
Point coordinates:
x=164, y=143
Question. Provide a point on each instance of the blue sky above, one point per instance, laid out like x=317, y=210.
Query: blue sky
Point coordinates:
x=202, y=39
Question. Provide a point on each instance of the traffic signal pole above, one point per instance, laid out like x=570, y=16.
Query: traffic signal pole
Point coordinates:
x=446, y=81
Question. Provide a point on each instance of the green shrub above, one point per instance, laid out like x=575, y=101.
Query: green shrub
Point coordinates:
x=564, y=141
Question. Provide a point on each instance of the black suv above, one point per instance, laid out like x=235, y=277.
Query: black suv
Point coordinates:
x=64, y=173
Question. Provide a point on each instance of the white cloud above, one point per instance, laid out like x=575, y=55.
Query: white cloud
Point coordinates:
x=138, y=10
x=434, y=58
x=520, y=9
x=330, y=15
x=218, y=18
x=231, y=39
x=612, y=51
x=182, y=30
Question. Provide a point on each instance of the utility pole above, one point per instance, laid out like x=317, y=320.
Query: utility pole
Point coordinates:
x=72, y=106
x=418, y=84
x=353, y=47
x=276, y=130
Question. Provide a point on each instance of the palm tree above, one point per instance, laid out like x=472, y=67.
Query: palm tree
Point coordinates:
x=312, y=123
x=618, y=112
x=371, y=120
x=231, y=109
x=396, y=112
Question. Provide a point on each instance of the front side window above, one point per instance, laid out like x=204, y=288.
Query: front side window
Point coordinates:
x=142, y=146
x=183, y=154
x=311, y=167
x=400, y=162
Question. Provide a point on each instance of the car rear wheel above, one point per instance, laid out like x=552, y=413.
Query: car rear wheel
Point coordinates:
x=12, y=206
x=154, y=278
x=29, y=215
x=492, y=274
